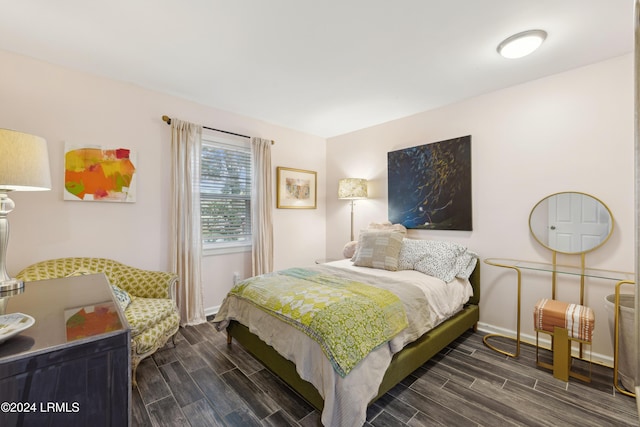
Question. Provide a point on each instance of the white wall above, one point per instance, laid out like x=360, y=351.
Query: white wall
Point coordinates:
x=570, y=131
x=64, y=105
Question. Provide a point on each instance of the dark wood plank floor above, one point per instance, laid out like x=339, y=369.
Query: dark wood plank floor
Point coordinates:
x=203, y=382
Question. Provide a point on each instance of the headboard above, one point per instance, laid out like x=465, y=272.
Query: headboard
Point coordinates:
x=475, y=283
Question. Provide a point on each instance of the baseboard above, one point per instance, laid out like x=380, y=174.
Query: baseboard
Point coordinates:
x=210, y=312
x=544, y=341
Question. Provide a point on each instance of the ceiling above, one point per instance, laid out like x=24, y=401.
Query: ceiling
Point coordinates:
x=322, y=67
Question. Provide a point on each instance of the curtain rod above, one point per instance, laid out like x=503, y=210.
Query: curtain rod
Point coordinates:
x=168, y=120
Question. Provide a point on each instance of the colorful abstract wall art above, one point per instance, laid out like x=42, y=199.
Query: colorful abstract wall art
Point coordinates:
x=99, y=174
x=430, y=185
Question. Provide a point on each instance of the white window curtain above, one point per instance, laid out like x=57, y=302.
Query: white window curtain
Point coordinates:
x=186, y=235
x=261, y=207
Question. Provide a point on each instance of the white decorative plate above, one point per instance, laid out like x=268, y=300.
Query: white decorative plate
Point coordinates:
x=14, y=323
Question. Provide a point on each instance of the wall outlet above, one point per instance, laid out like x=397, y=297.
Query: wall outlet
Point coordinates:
x=236, y=277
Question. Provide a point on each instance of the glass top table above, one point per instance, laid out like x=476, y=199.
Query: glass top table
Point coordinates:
x=561, y=269
x=518, y=265
x=67, y=311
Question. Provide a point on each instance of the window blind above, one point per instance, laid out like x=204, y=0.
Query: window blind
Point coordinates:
x=225, y=194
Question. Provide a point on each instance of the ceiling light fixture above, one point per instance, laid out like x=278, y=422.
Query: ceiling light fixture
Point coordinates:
x=521, y=44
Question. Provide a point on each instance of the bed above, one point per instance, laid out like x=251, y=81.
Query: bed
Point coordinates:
x=342, y=391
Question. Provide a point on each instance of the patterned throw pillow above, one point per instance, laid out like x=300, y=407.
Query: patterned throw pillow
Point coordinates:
x=438, y=265
x=466, y=263
x=442, y=259
x=378, y=249
x=412, y=251
x=123, y=298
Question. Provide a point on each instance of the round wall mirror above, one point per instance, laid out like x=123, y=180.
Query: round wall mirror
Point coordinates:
x=571, y=222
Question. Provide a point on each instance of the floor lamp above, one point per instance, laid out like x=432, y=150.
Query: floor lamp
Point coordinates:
x=352, y=189
x=24, y=166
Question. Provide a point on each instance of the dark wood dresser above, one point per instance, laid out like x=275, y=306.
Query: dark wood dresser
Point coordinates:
x=72, y=366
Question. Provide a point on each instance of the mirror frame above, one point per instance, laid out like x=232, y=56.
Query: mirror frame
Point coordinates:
x=564, y=252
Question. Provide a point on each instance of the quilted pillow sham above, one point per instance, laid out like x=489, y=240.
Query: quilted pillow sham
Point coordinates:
x=378, y=249
x=351, y=249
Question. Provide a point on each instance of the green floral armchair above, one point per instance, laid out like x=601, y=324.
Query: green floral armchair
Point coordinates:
x=148, y=299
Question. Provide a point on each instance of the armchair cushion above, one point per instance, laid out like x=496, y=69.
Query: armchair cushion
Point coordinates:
x=145, y=313
x=147, y=340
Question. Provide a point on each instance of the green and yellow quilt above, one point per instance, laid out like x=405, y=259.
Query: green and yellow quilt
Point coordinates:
x=347, y=318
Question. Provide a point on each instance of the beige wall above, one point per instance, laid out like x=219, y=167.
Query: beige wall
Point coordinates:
x=64, y=105
x=570, y=131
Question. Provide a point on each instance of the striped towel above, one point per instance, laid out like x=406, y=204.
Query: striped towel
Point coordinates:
x=577, y=319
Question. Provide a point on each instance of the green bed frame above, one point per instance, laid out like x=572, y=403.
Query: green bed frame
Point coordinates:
x=403, y=363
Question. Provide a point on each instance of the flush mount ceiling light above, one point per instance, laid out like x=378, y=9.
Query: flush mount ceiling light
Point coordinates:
x=521, y=44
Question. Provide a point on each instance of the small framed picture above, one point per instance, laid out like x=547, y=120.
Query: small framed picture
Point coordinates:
x=296, y=188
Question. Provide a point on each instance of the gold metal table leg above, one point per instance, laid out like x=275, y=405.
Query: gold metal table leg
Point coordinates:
x=517, y=338
x=616, y=338
x=561, y=353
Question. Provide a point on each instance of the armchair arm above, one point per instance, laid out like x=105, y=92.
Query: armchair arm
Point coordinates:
x=146, y=283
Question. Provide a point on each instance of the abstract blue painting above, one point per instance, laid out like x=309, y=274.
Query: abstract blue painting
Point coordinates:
x=430, y=185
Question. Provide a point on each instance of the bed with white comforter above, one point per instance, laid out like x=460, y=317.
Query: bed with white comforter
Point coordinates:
x=427, y=301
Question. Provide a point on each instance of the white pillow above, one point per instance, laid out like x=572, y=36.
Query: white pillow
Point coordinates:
x=387, y=226
x=349, y=249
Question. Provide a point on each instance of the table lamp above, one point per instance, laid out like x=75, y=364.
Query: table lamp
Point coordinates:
x=352, y=189
x=24, y=166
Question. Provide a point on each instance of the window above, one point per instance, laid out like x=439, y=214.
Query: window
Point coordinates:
x=225, y=194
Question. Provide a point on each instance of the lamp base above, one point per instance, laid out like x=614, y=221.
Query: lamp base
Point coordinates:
x=10, y=287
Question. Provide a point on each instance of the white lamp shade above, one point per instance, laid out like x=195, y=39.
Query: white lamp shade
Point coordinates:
x=521, y=44
x=352, y=188
x=24, y=162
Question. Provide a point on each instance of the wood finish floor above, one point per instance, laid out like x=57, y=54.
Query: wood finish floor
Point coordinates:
x=203, y=382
